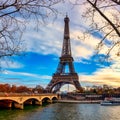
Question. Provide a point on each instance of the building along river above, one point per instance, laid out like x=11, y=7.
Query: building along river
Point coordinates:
x=63, y=111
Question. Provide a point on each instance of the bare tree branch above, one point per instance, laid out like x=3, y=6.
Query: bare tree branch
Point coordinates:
x=116, y=1
x=105, y=17
x=13, y=17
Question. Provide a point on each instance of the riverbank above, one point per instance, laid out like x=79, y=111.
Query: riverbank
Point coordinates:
x=80, y=102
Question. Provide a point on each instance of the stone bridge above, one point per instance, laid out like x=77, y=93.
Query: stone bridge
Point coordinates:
x=19, y=100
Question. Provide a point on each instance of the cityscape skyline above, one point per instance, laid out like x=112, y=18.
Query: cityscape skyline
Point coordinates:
x=43, y=49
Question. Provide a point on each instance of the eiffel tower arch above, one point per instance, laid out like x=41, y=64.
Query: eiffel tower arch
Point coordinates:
x=65, y=73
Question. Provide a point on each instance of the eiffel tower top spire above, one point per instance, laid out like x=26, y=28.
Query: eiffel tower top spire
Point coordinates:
x=66, y=28
x=66, y=50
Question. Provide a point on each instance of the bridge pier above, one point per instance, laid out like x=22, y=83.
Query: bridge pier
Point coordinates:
x=38, y=103
x=19, y=106
x=9, y=105
x=49, y=101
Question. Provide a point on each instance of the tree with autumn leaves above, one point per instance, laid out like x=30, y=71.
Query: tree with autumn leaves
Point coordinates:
x=7, y=88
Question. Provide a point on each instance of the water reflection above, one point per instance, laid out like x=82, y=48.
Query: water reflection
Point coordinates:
x=63, y=111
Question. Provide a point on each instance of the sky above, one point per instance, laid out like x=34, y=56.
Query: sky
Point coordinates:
x=43, y=49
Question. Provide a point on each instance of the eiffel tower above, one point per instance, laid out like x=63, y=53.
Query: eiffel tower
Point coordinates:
x=65, y=73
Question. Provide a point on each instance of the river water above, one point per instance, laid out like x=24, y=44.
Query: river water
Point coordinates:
x=63, y=111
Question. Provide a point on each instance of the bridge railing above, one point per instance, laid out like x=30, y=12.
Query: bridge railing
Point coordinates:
x=2, y=94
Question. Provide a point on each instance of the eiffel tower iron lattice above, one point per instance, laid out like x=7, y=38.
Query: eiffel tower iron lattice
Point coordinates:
x=65, y=73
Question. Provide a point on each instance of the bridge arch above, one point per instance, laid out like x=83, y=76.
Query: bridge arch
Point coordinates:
x=32, y=101
x=31, y=98
x=10, y=103
x=9, y=99
x=54, y=99
x=46, y=100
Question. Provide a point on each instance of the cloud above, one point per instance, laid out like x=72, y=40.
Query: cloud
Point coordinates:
x=101, y=77
x=24, y=78
x=10, y=64
x=27, y=74
x=12, y=79
x=49, y=39
x=43, y=40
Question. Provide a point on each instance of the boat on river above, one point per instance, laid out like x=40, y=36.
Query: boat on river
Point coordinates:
x=110, y=102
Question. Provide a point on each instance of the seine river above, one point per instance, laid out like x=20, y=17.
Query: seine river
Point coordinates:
x=63, y=111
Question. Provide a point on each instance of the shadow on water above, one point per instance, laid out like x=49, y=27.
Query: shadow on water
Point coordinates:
x=45, y=104
x=17, y=114
x=26, y=114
